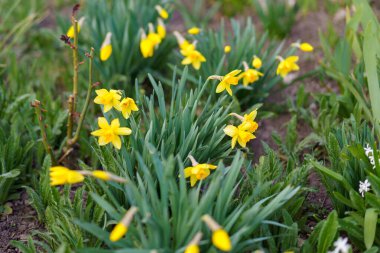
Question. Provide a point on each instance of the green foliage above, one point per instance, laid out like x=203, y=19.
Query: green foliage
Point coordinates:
x=198, y=13
x=277, y=16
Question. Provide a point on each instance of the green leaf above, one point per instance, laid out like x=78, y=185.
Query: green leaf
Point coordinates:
x=328, y=232
x=370, y=223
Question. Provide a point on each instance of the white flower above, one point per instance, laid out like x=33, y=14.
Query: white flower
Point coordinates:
x=364, y=187
x=368, y=150
x=341, y=246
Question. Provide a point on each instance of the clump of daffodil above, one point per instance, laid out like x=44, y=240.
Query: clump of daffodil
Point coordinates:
x=227, y=49
x=182, y=42
x=60, y=175
x=256, y=62
x=121, y=228
x=249, y=75
x=197, y=171
x=106, y=48
x=287, y=65
x=70, y=32
x=194, y=30
x=151, y=41
x=226, y=81
x=110, y=133
x=161, y=29
x=193, y=57
x=108, y=99
x=193, y=245
x=220, y=237
x=162, y=12
x=248, y=122
x=306, y=47
x=126, y=106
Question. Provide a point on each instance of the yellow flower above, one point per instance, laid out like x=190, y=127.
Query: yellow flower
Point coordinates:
x=121, y=228
x=61, y=175
x=248, y=121
x=162, y=12
x=221, y=240
x=192, y=249
x=161, y=29
x=70, y=32
x=287, y=65
x=220, y=237
x=306, y=47
x=239, y=134
x=193, y=57
x=106, y=48
x=227, y=49
x=155, y=38
x=250, y=76
x=118, y=232
x=127, y=105
x=103, y=175
x=194, y=30
x=256, y=62
x=146, y=48
x=197, y=171
x=110, y=133
x=226, y=81
x=108, y=99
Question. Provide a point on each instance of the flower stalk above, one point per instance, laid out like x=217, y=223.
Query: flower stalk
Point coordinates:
x=37, y=107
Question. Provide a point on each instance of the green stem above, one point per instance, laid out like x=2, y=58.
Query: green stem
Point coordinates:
x=36, y=104
x=87, y=102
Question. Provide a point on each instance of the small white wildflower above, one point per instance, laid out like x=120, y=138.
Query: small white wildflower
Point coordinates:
x=341, y=246
x=368, y=150
x=364, y=187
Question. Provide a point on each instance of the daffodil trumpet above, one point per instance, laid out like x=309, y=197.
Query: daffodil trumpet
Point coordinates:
x=106, y=48
x=305, y=47
x=121, y=228
x=256, y=62
x=220, y=237
x=193, y=245
x=162, y=12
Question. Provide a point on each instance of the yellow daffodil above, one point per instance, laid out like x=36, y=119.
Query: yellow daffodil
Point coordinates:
x=110, y=133
x=61, y=175
x=227, y=49
x=248, y=121
x=108, y=99
x=105, y=176
x=162, y=12
x=127, y=105
x=193, y=247
x=70, y=32
x=106, y=48
x=161, y=29
x=194, y=30
x=306, y=47
x=153, y=36
x=256, y=62
x=220, y=237
x=239, y=134
x=287, y=65
x=183, y=43
x=146, y=47
x=249, y=75
x=197, y=171
x=193, y=57
x=122, y=227
x=226, y=81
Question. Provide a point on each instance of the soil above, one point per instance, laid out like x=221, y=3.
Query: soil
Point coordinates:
x=18, y=225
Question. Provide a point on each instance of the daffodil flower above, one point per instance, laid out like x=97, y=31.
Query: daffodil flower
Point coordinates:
x=161, y=29
x=193, y=57
x=194, y=30
x=127, y=105
x=248, y=121
x=108, y=99
x=226, y=81
x=182, y=42
x=256, y=62
x=110, y=133
x=197, y=171
x=239, y=134
x=220, y=237
x=227, y=49
x=153, y=36
x=306, y=47
x=162, y=12
x=106, y=48
x=60, y=175
x=193, y=246
x=70, y=32
x=287, y=65
x=249, y=75
x=121, y=228
x=146, y=46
